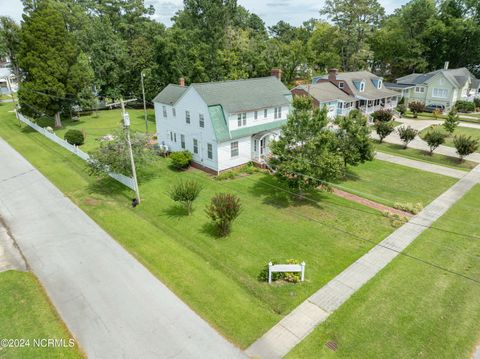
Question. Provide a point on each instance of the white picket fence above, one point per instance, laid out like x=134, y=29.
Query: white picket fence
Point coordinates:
x=127, y=181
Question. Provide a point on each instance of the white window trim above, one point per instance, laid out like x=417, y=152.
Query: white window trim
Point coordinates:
x=231, y=149
x=341, y=85
x=380, y=83
x=419, y=89
x=362, y=86
x=209, y=145
x=442, y=89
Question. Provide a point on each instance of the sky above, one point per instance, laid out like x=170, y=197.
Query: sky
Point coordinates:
x=271, y=11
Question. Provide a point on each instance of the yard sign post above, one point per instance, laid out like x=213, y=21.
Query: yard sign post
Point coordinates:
x=275, y=268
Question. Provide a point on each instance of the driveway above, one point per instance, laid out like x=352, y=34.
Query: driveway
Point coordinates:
x=111, y=304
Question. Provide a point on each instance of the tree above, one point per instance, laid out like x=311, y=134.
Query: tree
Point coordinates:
x=407, y=134
x=416, y=107
x=55, y=70
x=223, y=210
x=356, y=20
x=113, y=155
x=354, y=143
x=10, y=41
x=451, y=122
x=465, y=145
x=384, y=129
x=185, y=192
x=434, y=138
x=305, y=156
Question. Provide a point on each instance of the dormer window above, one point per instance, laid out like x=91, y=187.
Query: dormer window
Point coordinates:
x=341, y=85
x=379, y=86
x=362, y=86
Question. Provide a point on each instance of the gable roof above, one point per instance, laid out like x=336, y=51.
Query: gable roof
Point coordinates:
x=170, y=94
x=326, y=92
x=458, y=77
x=243, y=95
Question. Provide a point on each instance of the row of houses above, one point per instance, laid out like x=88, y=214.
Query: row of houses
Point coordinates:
x=229, y=123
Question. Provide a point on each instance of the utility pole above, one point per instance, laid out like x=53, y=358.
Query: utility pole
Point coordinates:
x=142, y=75
x=126, y=124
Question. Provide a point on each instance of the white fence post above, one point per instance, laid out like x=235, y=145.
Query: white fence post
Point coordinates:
x=269, y=272
x=303, y=271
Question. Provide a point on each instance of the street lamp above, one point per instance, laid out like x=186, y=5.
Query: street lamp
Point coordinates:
x=142, y=75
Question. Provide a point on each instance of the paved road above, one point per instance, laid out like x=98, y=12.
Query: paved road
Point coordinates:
x=293, y=328
x=109, y=301
x=10, y=256
x=424, y=166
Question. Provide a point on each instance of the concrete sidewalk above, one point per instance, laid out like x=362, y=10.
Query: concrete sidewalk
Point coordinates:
x=424, y=166
x=292, y=329
x=112, y=305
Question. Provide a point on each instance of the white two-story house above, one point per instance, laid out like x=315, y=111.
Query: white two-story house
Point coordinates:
x=223, y=124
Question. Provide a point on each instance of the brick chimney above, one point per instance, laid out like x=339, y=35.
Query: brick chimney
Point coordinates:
x=447, y=63
x=332, y=75
x=181, y=81
x=276, y=72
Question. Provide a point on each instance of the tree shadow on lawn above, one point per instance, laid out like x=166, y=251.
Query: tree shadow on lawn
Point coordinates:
x=211, y=230
x=176, y=211
x=276, y=194
x=107, y=186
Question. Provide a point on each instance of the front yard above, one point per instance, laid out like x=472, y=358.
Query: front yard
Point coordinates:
x=424, y=305
x=26, y=313
x=466, y=131
x=218, y=277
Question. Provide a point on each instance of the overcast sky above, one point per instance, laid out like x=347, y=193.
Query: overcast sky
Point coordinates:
x=271, y=11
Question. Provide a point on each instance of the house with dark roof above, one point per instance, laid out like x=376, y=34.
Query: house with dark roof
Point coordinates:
x=441, y=87
x=223, y=124
x=325, y=94
x=367, y=89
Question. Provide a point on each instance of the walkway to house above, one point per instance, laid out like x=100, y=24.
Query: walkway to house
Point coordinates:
x=293, y=328
x=112, y=305
x=424, y=166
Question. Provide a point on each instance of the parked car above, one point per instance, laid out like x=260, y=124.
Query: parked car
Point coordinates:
x=431, y=108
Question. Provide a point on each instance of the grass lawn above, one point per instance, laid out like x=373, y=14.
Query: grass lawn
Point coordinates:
x=25, y=312
x=218, y=277
x=429, y=116
x=474, y=132
x=388, y=183
x=98, y=125
x=424, y=156
x=412, y=309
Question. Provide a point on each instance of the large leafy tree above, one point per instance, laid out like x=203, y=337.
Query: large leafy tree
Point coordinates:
x=9, y=41
x=305, y=155
x=356, y=20
x=56, y=73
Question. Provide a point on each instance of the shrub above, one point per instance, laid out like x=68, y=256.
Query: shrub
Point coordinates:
x=436, y=113
x=402, y=109
x=416, y=107
x=407, y=134
x=74, y=137
x=465, y=145
x=396, y=220
x=226, y=175
x=382, y=115
x=451, y=122
x=181, y=160
x=413, y=208
x=223, y=210
x=476, y=101
x=434, y=138
x=383, y=129
x=465, y=106
x=185, y=193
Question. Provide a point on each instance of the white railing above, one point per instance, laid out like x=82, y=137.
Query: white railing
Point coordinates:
x=127, y=181
x=295, y=268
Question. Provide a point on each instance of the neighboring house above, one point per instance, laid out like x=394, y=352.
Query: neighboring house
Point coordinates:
x=326, y=94
x=365, y=87
x=442, y=87
x=223, y=124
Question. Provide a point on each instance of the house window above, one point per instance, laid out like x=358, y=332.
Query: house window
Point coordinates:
x=182, y=141
x=187, y=116
x=234, y=149
x=209, y=150
x=174, y=137
x=379, y=84
x=265, y=113
x=242, y=119
x=174, y=112
x=171, y=136
x=195, y=146
x=419, y=89
x=255, y=146
x=362, y=86
x=164, y=111
x=255, y=115
x=277, y=112
x=341, y=85
x=201, y=121
x=441, y=93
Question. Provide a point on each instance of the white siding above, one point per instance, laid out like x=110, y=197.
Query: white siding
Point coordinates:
x=233, y=117
x=193, y=103
x=225, y=161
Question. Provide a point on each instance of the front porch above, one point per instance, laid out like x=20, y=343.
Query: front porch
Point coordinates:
x=370, y=106
x=260, y=145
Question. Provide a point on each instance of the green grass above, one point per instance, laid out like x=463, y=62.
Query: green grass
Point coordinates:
x=424, y=156
x=98, y=125
x=474, y=132
x=412, y=309
x=25, y=312
x=429, y=116
x=218, y=277
x=388, y=183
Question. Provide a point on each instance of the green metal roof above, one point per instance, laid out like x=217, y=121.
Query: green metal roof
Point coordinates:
x=220, y=127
